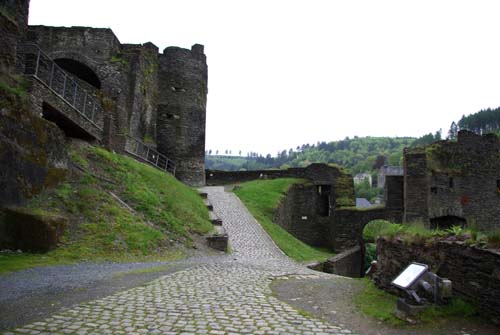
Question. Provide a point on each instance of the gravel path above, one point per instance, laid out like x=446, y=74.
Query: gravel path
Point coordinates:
x=215, y=295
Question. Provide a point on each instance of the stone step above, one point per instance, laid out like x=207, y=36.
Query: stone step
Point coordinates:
x=218, y=240
x=216, y=221
x=203, y=195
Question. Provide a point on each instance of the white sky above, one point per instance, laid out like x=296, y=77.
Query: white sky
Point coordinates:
x=285, y=73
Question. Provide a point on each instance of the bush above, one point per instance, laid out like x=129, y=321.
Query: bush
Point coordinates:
x=494, y=238
x=377, y=228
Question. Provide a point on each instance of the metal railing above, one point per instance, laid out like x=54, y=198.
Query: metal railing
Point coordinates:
x=43, y=68
x=139, y=149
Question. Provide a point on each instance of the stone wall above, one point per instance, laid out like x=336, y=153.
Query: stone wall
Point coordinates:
x=475, y=273
x=217, y=177
x=455, y=181
x=301, y=212
x=297, y=213
x=13, y=25
x=182, y=111
x=349, y=263
x=32, y=155
x=347, y=224
x=416, y=191
x=394, y=193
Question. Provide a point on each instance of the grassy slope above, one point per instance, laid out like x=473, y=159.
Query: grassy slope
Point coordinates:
x=167, y=212
x=261, y=197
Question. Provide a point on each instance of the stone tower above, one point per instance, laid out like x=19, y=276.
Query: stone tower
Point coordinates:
x=181, y=113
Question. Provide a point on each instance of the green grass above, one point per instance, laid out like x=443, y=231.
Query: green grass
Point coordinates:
x=377, y=303
x=261, y=197
x=166, y=215
x=380, y=305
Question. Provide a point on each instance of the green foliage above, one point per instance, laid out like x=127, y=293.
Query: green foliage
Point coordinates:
x=482, y=122
x=370, y=254
x=494, y=238
x=356, y=155
x=262, y=197
x=377, y=228
x=13, y=86
x=365, y=190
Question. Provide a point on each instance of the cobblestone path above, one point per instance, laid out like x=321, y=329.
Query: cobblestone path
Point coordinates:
x=226, y=295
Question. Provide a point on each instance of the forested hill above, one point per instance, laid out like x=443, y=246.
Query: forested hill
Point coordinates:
x=358, y=154
x=482, y=122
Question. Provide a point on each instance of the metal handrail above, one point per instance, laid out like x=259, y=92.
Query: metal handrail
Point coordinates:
x=139, y=149
x=45, y=70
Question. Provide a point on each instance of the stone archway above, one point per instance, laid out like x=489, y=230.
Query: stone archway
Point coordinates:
x=79, y=70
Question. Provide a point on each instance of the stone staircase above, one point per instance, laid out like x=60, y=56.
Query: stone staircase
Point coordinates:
x=61, y=90
x=219, y=239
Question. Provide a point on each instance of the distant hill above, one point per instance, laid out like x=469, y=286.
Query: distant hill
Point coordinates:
x=358, y=154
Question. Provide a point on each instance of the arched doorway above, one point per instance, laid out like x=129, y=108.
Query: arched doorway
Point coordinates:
x=448, y=221
x=80, y=71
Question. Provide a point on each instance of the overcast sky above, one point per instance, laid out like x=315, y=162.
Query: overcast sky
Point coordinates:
x=285, y=73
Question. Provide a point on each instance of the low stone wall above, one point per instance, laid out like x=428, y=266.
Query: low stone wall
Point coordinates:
x=216, y=177
x=348, y=263
x=475, y=273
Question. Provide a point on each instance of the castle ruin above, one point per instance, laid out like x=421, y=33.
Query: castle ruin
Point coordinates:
x=129, y=97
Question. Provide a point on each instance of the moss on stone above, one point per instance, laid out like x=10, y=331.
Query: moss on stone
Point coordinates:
x=344, y=190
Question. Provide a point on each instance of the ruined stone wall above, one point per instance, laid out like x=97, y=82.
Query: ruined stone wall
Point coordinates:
x=338, y=227
x=297, y=213
x=13, y=26
x=143, y=90
x=416, y=190
x=394, y=193
x=182, y=111
x=475, y=273
x=217, y=177
x=459, y=179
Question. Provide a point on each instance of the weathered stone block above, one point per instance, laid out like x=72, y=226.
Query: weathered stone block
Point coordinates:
x=219, y=240
x=348, y=263
x=34, y=231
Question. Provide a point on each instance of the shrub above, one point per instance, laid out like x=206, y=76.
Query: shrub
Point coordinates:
x=377, y=228
x=494, y=238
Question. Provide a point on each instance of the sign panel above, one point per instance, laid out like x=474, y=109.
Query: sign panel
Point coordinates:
x=410, y=275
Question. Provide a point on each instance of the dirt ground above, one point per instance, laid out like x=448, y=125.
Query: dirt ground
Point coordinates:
x=332, y=300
